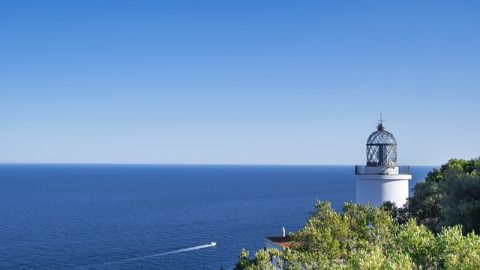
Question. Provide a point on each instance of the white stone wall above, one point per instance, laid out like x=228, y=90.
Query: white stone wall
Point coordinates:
x=376, y=189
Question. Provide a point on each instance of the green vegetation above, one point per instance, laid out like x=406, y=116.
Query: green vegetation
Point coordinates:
x=436, y=230
x=448, y=196
x=365, y=237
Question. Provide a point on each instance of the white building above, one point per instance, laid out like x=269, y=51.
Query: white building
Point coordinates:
x=279, y=243
x=382, y=179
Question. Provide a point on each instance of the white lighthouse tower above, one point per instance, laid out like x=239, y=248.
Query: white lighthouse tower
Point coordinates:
x=382, y=179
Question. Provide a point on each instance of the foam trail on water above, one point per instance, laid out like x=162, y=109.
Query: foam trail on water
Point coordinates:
x=150, y=256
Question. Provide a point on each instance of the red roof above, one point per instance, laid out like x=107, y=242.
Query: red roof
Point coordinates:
x=281, y=241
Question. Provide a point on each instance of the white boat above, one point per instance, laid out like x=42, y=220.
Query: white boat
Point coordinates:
x=213, y=244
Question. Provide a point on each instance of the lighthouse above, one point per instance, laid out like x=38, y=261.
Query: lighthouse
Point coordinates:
x=381, y=179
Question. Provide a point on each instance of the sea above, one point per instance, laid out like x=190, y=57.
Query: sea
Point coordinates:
x=157, y=216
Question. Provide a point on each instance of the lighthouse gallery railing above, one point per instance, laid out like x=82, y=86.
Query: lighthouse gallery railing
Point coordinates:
x=360, y=169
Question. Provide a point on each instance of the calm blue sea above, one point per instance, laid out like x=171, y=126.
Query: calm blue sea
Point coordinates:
x=155, y=217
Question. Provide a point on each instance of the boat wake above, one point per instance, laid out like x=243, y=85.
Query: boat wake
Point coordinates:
x=212, y=244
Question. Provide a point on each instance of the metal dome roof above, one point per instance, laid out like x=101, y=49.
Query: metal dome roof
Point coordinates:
x=381, y=148
x=381, y=136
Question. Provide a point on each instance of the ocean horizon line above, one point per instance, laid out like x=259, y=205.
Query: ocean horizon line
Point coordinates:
x=193, y=164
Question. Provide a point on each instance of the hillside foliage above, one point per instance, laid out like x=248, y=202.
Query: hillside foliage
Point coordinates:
x=365, y=237
x=434, y=230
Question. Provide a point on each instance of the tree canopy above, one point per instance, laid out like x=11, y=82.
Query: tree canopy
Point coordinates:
x=365, y=237
x=448, y=196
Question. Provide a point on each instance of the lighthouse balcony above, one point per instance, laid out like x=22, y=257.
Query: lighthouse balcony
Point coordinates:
x=381, y=170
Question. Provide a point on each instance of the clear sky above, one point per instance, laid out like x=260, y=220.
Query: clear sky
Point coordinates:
x=271, y=82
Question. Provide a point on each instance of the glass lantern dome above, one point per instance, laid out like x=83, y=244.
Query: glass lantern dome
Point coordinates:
x=381, y=148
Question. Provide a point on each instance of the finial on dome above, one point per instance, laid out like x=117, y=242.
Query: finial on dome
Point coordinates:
x=380, y=126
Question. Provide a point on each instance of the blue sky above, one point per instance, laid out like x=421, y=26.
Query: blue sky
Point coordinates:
x=270, y=82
